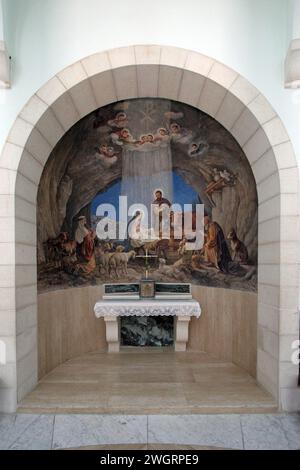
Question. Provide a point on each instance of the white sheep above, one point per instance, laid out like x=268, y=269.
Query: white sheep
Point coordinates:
x=171, y=270
x=118, y=262
x=103, y=260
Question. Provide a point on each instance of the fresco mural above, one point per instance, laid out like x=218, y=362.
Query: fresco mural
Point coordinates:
x=158, y=152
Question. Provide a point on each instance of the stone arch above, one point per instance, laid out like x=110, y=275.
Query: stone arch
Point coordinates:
x=180, y=75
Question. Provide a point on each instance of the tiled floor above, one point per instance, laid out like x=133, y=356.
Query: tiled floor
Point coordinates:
x=140, y=381
x=133, y=400
x=230, y=431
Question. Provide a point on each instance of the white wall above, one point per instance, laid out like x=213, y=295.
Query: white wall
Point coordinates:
x=251, y=36
x=1, y=23
x=294, y=12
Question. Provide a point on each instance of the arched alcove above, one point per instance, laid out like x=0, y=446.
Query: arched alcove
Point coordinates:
x=187, y=77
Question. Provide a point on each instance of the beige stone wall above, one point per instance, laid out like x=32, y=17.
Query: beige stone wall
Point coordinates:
x=67, y=326
x=227, y=327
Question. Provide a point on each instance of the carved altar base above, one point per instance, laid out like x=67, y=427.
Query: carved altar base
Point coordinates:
x=111, y=310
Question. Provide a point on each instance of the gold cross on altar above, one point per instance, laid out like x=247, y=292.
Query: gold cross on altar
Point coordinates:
x=146, y=256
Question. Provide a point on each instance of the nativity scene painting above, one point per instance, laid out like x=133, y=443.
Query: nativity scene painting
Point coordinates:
x=161, y=154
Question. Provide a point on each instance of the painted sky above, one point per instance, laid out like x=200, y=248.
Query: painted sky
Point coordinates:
x=183, y=194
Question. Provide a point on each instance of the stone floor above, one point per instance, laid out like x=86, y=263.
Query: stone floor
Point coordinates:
x=230, y=431
x=133, y=400
x=143, y=381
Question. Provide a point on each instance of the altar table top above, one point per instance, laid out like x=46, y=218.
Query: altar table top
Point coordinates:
x=147, y=307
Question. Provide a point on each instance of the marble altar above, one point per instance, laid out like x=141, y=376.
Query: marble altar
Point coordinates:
x=182, y=310
x=147, y=331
